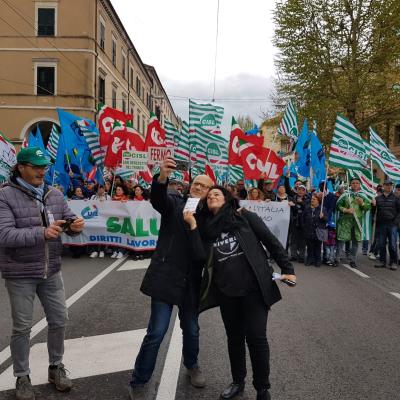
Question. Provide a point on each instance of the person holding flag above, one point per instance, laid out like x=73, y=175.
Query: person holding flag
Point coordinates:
x=351, y=207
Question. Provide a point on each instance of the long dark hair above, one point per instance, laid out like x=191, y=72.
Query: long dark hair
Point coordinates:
x=226, y=219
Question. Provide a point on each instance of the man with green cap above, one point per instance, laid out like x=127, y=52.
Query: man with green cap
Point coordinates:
x=32, y=218
x=351, y=206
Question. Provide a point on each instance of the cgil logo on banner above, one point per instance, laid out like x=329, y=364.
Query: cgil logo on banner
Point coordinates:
x=90, y=212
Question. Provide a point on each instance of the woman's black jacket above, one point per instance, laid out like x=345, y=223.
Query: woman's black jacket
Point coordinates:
x=251, y=233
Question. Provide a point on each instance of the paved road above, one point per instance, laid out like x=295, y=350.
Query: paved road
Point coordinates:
x=334, y=336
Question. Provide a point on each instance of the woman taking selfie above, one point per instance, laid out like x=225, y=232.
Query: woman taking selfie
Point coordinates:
x=238, y=279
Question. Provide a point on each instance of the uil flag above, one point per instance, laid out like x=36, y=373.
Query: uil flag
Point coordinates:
x=107, y=117
x=117, y=143
x=260, y=160
x=155, y=136
x=239, y=141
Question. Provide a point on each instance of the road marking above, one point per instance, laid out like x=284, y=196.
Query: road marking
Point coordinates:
x=397, y=295
x=85, y=356
x=134, y=265
x=6, y=353
x=170, y=374
x=356, y=271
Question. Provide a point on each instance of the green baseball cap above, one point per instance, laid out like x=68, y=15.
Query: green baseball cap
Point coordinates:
x=32, y=155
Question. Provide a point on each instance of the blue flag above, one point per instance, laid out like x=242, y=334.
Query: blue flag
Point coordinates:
x=317, y=160
x=36, y=140
x=253, y=131
x=303, y=151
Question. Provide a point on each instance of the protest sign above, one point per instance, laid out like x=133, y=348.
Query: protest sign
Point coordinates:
x=276, y=215
x=134, y=160
x=157, y=154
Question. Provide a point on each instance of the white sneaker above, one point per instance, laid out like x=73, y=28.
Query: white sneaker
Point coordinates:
x=119, y=255
x=94, y=254
x=371, y=256
x=101, y=254
x=114, y=255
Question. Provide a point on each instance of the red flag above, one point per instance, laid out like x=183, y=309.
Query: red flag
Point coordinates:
x=240, y=141
x=155, y=136
x=146, y=175
x=117, y=143
x=91, y=176
x=107, y=118
x=210, y=173
x=133, y=139
x=260, y=160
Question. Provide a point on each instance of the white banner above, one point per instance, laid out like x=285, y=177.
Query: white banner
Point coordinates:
x=276, y=215
x=133, y=224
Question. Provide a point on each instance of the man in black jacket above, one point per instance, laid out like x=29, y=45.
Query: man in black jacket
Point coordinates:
x=387, y=219
x=171, y=279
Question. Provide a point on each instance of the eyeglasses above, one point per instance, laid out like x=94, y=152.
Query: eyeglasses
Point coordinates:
x=201, y=185
x=38, y=167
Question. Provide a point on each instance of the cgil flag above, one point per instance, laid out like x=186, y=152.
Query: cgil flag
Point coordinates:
x=240, y=141
x=156, y=135
x=383, y=156
x=347, y=148
x=289, y=124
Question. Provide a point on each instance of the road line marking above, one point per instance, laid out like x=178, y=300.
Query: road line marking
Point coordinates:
x=5, y=354
x=170, y=374
x=84, y=356
x=356, y=271
x=134, y=265
x=397, y=295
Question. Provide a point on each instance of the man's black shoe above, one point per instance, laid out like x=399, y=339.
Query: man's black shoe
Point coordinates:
x=263, y=395
x=232, y=390
x=353, y=264
x=301, y=260
x=380, y=265
x=293, y=258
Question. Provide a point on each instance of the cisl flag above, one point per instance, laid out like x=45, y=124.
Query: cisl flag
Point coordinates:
x=107, y=118
x=240, y=141
x=116, y=144
x=155, y=136
x=260, y=160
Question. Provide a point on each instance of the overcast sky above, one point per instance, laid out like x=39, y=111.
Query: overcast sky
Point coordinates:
x=178, y=38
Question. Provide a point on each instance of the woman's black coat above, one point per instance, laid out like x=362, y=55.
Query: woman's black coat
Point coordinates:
x=251, y=233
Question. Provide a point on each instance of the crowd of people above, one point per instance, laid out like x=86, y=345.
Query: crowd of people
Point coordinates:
x=316, y=216
x=215, y=255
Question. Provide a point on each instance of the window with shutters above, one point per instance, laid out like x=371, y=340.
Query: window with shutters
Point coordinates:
x=102, y=90
x=114, y=97
x=102, y=34
x=114, y=52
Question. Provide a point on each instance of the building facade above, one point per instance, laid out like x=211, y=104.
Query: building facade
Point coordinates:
x=71, y=54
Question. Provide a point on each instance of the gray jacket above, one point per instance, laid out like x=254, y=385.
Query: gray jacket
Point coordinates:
x=24, y=251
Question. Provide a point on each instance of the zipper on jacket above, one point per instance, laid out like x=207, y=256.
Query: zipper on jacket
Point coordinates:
x=46, y=245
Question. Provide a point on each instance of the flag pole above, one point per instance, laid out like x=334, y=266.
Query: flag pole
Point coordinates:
x=112, y=186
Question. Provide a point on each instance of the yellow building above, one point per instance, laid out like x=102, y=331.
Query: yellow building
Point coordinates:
x=71, y=54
